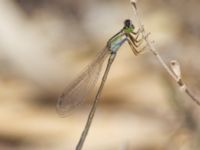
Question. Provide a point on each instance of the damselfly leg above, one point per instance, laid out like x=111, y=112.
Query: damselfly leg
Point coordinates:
x=133, y=37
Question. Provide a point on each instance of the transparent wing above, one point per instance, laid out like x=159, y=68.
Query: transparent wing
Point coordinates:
x=77, y=91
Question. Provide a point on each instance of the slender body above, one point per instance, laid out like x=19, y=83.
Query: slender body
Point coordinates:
x=93, y=109
x=74, y=94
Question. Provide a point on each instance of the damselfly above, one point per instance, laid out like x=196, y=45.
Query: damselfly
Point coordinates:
x=76, y=92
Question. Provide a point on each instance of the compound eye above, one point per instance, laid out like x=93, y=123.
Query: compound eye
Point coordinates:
x=127, y=23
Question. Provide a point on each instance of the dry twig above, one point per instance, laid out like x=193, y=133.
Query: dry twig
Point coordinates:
x=174, y=70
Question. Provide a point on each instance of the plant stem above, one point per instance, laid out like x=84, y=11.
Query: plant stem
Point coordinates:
x=176, y=77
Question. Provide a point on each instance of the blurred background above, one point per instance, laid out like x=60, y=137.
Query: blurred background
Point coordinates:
x=45, y=44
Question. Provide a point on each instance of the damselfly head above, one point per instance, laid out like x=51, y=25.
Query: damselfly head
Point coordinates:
x=128, y=24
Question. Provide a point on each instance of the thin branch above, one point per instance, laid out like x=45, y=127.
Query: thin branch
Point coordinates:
x=174, y=71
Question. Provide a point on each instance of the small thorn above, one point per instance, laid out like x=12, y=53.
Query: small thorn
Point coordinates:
x=142, y=29
x=147, y=35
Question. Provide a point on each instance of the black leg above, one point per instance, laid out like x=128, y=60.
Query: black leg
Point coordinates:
x=135, y=42
x=132, y=47
x=135, y=46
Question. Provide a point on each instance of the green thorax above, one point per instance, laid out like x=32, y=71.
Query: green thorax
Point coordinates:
x=117, y=38
x=125, y=30
x=128, y=29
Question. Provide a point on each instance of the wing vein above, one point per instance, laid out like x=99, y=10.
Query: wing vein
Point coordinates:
x=74, y=94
